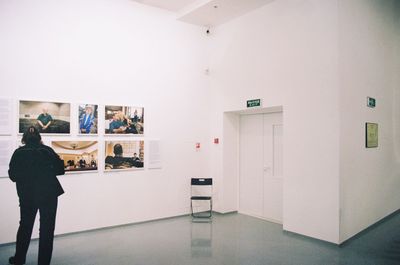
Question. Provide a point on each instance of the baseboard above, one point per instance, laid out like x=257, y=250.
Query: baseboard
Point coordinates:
x=263, y=218
x=226, y=212
x=369, y=228
x=310, y=238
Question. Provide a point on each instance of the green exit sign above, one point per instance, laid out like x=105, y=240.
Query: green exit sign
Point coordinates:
x=253, y=103
x=371, y=102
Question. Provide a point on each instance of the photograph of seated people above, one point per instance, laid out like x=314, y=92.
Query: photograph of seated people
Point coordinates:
x=47, y=117
x=77, y=155
x=116, y=158
x=124, y=120
x=88, y=119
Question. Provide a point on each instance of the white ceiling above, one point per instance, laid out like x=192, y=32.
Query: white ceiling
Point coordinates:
x=207, y=12
x=171, y=5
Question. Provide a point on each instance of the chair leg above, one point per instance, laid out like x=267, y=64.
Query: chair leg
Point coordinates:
x=207, y=216
x=191, y=207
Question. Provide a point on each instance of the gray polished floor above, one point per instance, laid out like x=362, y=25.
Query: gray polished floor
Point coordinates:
x=230, y=239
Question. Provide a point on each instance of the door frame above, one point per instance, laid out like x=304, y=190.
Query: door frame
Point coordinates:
x=231, y=154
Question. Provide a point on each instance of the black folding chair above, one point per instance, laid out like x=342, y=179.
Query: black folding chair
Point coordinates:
x=201, y=191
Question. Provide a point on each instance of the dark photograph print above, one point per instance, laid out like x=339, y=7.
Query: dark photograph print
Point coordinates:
x=124, y=120
x=88, y=119
x=48, y=117
x=77, y=155
x=124, y=155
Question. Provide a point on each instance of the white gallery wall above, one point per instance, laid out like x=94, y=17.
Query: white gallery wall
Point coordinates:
x=319, y=60
x=119, y=53
x=286, y=54
x=368, y=66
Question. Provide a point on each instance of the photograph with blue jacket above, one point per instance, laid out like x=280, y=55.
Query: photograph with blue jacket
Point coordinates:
x=88, y=119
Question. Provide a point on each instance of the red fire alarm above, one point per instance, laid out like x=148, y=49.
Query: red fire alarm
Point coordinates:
x=216, y=140
x=197, y=145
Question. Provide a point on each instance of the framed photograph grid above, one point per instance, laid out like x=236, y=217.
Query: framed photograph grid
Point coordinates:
x=69, y=129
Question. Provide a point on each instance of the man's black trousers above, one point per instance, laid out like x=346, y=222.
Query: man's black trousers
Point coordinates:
x=28, y=209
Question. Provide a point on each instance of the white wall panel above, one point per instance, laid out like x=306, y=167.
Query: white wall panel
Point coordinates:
x=111, y=52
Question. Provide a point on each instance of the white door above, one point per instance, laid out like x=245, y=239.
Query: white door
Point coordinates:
x=251, y=162
x=261, y=166
x=273, y=167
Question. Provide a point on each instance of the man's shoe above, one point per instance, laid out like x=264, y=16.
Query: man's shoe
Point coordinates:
x=11, y=260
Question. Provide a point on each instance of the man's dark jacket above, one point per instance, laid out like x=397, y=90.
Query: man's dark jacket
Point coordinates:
x=34, y=168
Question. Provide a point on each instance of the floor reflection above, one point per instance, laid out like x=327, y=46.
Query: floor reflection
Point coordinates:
x=201, y=238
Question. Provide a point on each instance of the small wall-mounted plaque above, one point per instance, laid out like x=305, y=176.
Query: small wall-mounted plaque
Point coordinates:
x=371, y=134
x=371, y=102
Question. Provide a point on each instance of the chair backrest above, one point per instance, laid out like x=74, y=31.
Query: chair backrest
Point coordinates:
x=201, y=186
x=201, y=181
